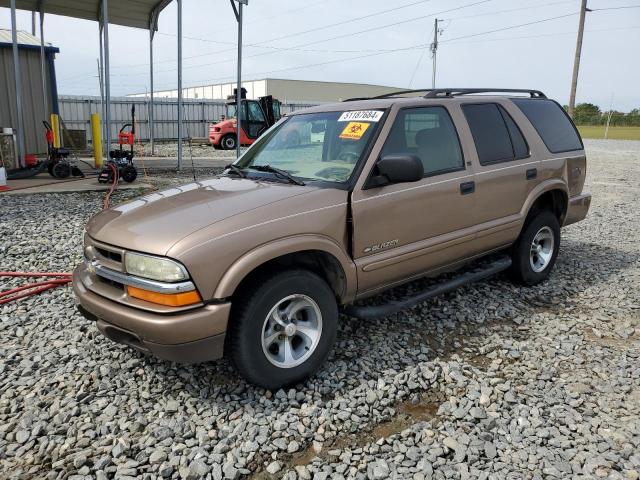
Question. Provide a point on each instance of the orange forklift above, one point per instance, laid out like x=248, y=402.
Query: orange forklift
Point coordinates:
x=256, y=117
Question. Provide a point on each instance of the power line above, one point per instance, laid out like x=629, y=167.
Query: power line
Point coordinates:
x=613, y=8
x=496, y=12
x=426, y=45
x=299, y=47
x=290, y=35
x=412, y=47
x=535, y=22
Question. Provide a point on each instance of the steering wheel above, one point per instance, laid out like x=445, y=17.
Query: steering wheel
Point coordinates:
x=351, y=157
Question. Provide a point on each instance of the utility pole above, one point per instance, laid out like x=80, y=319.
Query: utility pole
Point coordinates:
x=576, y=60
x=434, y=51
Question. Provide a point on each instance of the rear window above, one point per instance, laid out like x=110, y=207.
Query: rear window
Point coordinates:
x=552, y=124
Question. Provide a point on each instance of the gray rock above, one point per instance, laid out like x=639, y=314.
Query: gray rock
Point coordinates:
x=274, y=467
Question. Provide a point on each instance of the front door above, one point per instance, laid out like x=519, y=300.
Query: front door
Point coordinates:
x=404, y=230
x=256, y=121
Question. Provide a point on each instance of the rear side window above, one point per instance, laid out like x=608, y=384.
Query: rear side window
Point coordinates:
x=520, y=147
x=552, y=124
x=428, y=133
x=495, y=134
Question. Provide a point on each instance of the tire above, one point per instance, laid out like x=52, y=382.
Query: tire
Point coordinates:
x=256, y=342
x=61, y=170
x=228, y=142
x=542, y=231
x=129, y=173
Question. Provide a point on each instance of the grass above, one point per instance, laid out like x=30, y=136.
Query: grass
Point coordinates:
x=615, y=133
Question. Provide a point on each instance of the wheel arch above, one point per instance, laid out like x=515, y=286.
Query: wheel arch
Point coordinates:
x=318, y=254
x=552, y=195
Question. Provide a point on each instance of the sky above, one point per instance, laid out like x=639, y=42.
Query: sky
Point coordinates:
x=483, y=43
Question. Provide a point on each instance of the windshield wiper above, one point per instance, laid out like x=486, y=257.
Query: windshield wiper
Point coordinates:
x=236, y=169
x=277, y=172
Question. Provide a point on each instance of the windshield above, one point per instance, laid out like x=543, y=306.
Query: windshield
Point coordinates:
x=316, y=146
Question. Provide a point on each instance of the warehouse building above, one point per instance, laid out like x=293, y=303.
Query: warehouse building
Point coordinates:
x=288, y=91
x=39, y=99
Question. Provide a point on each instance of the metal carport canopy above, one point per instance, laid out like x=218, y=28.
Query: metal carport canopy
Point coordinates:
x=128, y=13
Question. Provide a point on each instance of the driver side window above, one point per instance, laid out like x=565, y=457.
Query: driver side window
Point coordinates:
x=428, y=133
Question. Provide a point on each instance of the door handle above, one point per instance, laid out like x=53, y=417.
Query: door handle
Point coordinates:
x=532, y=173
x=467, y=187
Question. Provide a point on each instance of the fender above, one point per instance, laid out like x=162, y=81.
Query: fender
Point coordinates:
x=251, y=260
x=545, y=186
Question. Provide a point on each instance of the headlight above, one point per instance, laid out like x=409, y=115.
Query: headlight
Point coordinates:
x=155, y=268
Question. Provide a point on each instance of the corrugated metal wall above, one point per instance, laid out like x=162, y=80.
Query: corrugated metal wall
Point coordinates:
x=76, y=115
x=32, y=106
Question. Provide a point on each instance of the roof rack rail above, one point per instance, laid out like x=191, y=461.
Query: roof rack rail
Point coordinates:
x=450, y=92
x=387, y=95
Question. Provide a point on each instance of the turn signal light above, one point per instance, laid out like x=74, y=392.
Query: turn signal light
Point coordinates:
x=169, y=299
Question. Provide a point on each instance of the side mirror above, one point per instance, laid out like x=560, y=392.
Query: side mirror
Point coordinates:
x=396, y=168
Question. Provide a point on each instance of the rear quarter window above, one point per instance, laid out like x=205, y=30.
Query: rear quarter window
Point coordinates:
x=552, y=124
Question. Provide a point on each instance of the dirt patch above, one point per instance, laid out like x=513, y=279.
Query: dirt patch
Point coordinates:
x=408, y=413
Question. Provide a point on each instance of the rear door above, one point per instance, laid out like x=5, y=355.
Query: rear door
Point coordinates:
x=403, y=230
x=506, y=171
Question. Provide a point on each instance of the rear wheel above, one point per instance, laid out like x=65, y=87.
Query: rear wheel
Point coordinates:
x=534, y=253
x=283, y=328
x=228, y=142
x=129, y=173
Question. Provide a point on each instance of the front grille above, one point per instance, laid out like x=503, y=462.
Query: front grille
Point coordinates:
x=109, y=254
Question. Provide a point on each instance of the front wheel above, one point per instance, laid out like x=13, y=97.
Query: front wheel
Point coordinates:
x=283, y=328
x=534, y=253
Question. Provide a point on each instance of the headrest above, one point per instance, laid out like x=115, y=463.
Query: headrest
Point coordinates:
x=426, y=135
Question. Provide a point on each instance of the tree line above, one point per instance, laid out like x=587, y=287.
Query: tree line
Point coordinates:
x=590, y=114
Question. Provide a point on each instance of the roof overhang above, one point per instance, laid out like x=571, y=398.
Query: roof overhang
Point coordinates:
x=128, y=13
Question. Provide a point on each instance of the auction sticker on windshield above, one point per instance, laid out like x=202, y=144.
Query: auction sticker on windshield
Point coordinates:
x=354, y=130
x=361, y=115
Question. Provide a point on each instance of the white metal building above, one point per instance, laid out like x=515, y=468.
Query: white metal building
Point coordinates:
x=289, y=91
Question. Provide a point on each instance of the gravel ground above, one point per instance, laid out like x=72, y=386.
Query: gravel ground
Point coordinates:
x=492, y=381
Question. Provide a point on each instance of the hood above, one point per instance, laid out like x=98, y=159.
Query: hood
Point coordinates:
x=154, y=222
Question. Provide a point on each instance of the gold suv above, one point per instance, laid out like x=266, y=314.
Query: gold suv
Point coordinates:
x=331, y=205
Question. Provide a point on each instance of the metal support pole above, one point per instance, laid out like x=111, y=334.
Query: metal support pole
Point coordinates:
x=576, y=60
x=18, y=80
x=107, y=83
x=151, y=139
x=101, y=79
x=179, y=84
x=43, y=71
x=239, y=89
x=33, y=23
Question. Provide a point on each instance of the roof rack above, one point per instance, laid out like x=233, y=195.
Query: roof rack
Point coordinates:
x=450, y=92
x=387, y=95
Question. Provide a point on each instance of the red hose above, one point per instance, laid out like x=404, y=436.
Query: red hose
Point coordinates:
x=28, y=289
x=55, y=279
x=114, y=184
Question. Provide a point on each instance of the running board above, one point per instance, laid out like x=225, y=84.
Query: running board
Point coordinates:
x=369, y=312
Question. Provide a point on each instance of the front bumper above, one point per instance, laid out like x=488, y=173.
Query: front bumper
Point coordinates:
x=190, y=336
x=577, y=209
